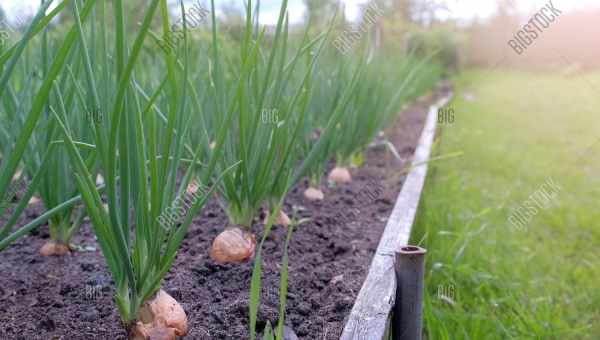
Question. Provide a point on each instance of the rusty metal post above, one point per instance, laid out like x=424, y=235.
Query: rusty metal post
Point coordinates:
x=410, y=276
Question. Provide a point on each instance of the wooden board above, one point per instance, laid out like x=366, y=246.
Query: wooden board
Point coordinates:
x=369, y=317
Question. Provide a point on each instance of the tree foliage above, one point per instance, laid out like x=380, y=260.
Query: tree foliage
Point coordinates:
x=318, y=12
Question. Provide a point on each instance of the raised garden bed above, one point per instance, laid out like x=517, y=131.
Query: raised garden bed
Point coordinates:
x=72, y=297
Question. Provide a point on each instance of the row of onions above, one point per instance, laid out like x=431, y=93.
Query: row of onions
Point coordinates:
x=108, y=127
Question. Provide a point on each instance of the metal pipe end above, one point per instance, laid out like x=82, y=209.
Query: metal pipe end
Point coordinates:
x=412, y=250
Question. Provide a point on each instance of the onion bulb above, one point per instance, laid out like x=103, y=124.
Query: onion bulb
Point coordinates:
x=160, y=318
x=283, y=219
x=53, y=248
x=193, y=188
x=314, y=194
x=99, y=180
x=340, y=175
x=233, y=245
x=17, y=175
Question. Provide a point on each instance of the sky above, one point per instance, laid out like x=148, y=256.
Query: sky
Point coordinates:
x=457, y=9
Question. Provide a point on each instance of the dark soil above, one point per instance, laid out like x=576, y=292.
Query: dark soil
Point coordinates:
x=72, y=297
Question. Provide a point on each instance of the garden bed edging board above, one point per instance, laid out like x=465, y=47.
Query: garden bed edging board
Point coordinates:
x=371, y=311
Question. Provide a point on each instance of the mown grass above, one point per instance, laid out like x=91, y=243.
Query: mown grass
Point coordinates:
x=499, y=282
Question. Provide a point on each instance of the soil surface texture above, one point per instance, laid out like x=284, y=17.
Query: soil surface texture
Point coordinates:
x=71, y=297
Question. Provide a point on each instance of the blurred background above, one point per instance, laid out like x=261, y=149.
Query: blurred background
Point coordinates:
x=468, y=32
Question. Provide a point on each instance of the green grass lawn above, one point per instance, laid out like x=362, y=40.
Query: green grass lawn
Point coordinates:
x=540, y=281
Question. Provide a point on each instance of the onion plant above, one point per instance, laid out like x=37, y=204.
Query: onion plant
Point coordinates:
x=328, y=97
x=55, y=182
x=269, y=332
x=384, y=86
x=139, y=151
x=270, y=99
x=20, y=116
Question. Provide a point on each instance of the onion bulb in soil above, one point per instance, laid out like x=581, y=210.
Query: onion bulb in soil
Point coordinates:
x=233, y=245
x=340, y=175
x=99, y=180
x=283, y=219
x=160, y=318
x=17, y=175
x=192, y=188
x=314, y=194
x=53, y=248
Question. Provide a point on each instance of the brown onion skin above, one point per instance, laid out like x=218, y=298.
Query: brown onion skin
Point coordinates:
x=283, y=219
x=314, y=194
x=340, y=175
x=160, y=318
x=53, y=248
x=233, y=245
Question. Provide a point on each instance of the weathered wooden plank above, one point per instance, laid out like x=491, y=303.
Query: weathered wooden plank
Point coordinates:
x=376, y=298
